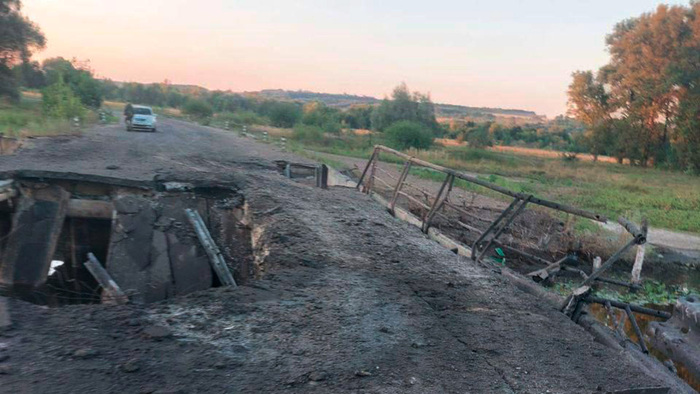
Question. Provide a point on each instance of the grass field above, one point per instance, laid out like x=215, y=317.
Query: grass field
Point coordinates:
x=668, y=199
x=25, y=119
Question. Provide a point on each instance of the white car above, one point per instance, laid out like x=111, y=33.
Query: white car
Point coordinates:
x=143, y=119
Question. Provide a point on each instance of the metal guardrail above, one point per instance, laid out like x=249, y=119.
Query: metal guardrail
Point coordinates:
x=488, y=239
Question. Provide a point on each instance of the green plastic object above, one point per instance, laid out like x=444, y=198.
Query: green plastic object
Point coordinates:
x=503, y=256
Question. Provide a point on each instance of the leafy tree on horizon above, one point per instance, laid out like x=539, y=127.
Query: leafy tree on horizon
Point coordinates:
x=404, y=105
x=18, y=38
x=644, y=105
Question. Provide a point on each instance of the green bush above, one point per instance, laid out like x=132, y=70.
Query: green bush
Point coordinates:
x=406, y=134
x=307, y=133
x=284, y=114
x=59, y=101
x=479, y=138
x=198, y=109
x=332, y=126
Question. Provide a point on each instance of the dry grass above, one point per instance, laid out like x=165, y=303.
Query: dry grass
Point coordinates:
x=449, y=142
x=548, y=153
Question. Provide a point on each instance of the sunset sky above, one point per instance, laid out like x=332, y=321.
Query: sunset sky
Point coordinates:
x=507, y=53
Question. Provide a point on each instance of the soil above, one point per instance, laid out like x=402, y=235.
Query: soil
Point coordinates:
x=348, y=298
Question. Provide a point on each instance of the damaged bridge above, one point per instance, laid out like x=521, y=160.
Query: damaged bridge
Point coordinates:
x=334, y=294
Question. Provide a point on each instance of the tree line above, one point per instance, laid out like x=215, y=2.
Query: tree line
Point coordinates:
x=644, y=105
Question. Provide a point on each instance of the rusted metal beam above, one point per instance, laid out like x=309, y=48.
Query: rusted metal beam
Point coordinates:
x=369, y=163
x=637, y=331
x=523, y=254
x=499, y=189
x=415, y=200
x=640, y=235
x=609, y=263
x=399, y=185
x=503, y=227
x=112, y=293
x=634, y=308
x=439, y=200
x=385, y=183
x=465, y=213
x=215, y=257
x=492, y=226
x=468, y=227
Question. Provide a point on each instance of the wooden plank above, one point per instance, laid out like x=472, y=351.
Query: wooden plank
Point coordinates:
x=215, y=257
x=112, y=293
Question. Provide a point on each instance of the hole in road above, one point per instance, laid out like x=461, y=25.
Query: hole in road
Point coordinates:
x=140, y=235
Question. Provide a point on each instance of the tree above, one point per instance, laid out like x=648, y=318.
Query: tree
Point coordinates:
x=18, y=38
x=480, y=137
x=647, y=96
x=78, y=76
x=407, y=134
x=59, y=101
x=284, y=114
x=358, y=117
x=404, y=105
x=198, y=108
x=591, y=105
x=30, y=75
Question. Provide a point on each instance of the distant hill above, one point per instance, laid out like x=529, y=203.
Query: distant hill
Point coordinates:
x=346, y=100
x=443, y=111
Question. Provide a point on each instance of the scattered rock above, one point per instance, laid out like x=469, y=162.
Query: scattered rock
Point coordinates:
x=130, y=366
x=418, y=344
x=220, y=365
x=133, y=322
x=363, y=373
x=6, y=369
x=239, y=349
x=385, y=330
x=85, y=353
x=112, y=167
x=157, y=333
x=318, y=376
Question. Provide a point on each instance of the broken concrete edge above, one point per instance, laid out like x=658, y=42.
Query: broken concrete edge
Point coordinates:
x=158, y=183
x=679, y=337
x=599, y=332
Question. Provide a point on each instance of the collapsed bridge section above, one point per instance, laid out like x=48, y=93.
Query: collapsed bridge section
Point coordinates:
x=140, y=232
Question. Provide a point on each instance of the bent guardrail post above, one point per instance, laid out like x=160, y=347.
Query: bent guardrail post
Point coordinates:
x=369, y=163
x=439, y=200
x=399, y=185
x=495, y=223
x=503, y=227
